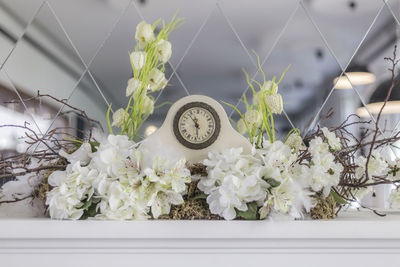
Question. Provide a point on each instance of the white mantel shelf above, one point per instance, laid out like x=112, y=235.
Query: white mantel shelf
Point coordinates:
x=359, y=237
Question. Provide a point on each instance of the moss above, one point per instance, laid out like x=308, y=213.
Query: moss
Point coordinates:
x=325, y=208
x=195, y=207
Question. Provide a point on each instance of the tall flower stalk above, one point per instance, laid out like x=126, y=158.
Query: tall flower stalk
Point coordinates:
x=259, y=116
x=148, y=60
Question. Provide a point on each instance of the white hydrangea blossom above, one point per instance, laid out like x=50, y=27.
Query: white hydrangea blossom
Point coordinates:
x=235, y=179
x=324, y=172
x=377, y=165
x=333, y=140
x=232, y=182
x=71, y=188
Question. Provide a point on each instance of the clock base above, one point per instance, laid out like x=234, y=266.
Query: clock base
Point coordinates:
x=164, y=144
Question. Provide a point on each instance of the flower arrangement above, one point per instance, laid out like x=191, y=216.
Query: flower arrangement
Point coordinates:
x=101, y=177
x=148, y=65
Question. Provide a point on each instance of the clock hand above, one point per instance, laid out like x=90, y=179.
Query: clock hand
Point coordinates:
x=197, y=132
x=195, y=122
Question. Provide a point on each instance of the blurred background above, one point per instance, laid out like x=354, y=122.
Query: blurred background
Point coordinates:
x=78, y=50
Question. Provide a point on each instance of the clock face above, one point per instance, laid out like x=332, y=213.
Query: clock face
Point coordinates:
x=196, y=125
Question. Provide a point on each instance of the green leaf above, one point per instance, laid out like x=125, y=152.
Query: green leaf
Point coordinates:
x=200, y=196
x=87, y=205
x=338, y=198
x=272, y=182
x=251, y=212
x=94, y=145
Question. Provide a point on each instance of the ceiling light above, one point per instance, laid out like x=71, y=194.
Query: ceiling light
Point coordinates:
x=378, y=98
x=355, y=75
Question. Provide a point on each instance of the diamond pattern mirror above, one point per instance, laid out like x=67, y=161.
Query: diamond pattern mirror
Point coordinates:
x=78, y=51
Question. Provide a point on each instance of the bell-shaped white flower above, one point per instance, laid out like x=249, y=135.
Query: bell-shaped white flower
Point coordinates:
x=144, y=34
x=133, y=87
x=164, y=50
x=118, y=118
x=241, y=126
x=148, y=105
x=294, y=141
x=156, y=80
x=138, y=59
x=275, y=103
x=253, y=118
x=271, y=86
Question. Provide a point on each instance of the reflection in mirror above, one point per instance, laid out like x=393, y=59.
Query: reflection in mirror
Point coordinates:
x=325, y=43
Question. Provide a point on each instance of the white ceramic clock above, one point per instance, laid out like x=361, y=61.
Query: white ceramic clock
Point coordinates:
x=194, y=126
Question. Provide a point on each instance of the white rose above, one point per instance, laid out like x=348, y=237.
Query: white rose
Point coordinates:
x=138, y=59
x=148, y=105
x=253, y=117
x=133, y=87
x=164, y=50
x=118, y=118
x=241, y=126
x=144, y=34
x=275, y=103
x=157, y=80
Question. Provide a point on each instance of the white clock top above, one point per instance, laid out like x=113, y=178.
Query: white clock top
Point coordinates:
x=165, y=144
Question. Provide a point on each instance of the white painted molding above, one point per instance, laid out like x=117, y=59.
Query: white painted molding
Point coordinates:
x=367, y=240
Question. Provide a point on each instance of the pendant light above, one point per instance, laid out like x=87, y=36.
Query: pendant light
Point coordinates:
x=356, y=75
x=378, y=98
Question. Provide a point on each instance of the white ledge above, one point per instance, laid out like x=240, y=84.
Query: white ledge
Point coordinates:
x=353, y=234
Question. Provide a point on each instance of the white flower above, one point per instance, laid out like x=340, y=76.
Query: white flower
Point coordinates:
x=233, y=181
x=324, y=172
x=144, y=34
x=275, y=103
x=253, y=118
x=164, y=50
x=377, y=166
x=71, y=188
x=118, y=118
x=148, y=105
x=164, y=185
x=120, y=202
x=333, y=141
x=112, y=155
x=276, y=155
x=394, y=199
x=138, y=59
x=271, y=86
x=81, y=154
x=294, y=141
x=241, y=127
x=133, y=87
x=257, y=98
x=157, y=80
x=282, y=197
